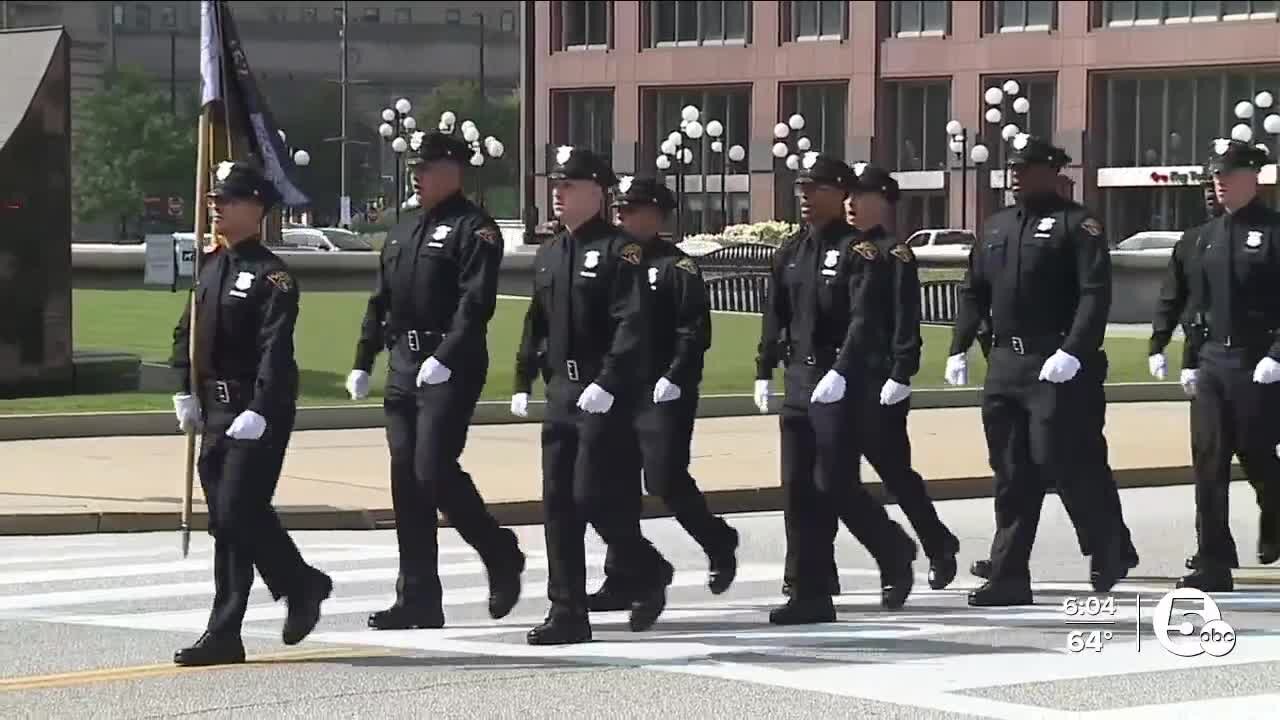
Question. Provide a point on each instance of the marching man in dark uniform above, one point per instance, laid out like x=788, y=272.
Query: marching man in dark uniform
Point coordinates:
x=435, y=293
x=589, y=308
x=679, y=336
x=244, y=403
x=1042, y=273
x=1237, y=405
x=824, y=290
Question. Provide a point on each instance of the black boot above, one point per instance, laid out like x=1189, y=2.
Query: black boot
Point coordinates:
x=562, y=627
x=406, y=617
x=649, y=603
x=981, y=569
x=1268, y=538
x=723, y=566
x=1193, y=561
x=802, y=609
x=942, y=566
x=610, y=597
x=504, y=581
x=896, y=577
x=832, y=587
x=1002, y=593
x=212, y=649
x=1110, y=566
x=1208, y=578
x=304, y=608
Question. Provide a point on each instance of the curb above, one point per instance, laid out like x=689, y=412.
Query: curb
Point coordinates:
x=489, y=412
x=519, y=512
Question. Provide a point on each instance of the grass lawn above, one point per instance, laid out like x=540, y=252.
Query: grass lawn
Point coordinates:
x=142, y=321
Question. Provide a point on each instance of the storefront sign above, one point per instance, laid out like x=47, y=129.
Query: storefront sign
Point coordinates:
x=1174, y=176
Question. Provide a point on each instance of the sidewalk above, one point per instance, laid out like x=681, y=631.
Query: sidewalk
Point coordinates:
x=338, y=479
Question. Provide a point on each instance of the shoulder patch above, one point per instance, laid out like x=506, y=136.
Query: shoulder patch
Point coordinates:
x=489, y=234
x=1091, y=226
x=866, y=249
x=281, y=279
x=632, y=253
x=688, y=265
x=903, y=253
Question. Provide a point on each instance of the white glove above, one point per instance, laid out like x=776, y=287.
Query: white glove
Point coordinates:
x=1158, y=366
x=1188, y=381
x=248, y=425
x=595, y=400
x=957, y=372
x=187, y=408
x=1267, y=371
x=894, y=392
x=433, y=372
x=1060, y=367
x=358, y=384
x=520, y=405
x=761, y=395
x=666, y=391
x=830, y=388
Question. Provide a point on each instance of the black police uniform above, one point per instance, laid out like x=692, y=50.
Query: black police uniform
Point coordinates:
x=589, y=307
x=246, y=310
x=435, y=293
x=679, y=336
x=825, y=285
x=1042, y=272
x=1240, y=301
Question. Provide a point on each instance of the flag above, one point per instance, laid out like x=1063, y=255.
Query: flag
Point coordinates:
x=227, y=84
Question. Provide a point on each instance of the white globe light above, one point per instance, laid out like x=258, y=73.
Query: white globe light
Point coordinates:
x=793, y=162
x=803, y=144
x=1011, y=87
x=399, y=145
x=979, y=154
x=675, y=139
x=389, y=115
x=715, y=128
x=409, y=123
x=1264, y=99
x=958, y=138
x=283, y=137
x=663, y=162
x=1244, y=109
x=994, y=116
x=477, y=160
x=448, y=117
x=689, y=113
x=687, y=156
x=693, y=130
x=717, y=146
x=444, y=127
x=667, y=148
x=302, y=158
x=1263, y=147
x=1272, y=124
x=1242, y=132
x=1022, y=106
x=954, y=127
x=779, y=150
x=781, y=130
x=993, y=96
x=796, y=121
x=736, y=153
x=489, y=140
x=471, y=134
x=403, y=107
x=497, y=149
x=386, y=131
x=956, y=146
x=1008, y=132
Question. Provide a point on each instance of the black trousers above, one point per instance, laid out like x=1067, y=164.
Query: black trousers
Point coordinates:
x=662, y=437
x=426, y=433
x=239, y=478
x=1232, y=415
x=588, y=477
x=1035, y=442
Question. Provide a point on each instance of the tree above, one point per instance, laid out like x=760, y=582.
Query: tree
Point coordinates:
x=128, y=146
x=496, y=116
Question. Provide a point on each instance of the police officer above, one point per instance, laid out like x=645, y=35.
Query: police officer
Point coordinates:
x=826, y=284
x=1042, y=272
x=1237, y=405
x=679, y=336
x=435, y=293
x=244, y=400
x=589, y=307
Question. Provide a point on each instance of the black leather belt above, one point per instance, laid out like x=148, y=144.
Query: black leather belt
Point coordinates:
x=1245, y=341
x=418, y=340
x=1023, y=344
x=822, y=357
x=226, y=392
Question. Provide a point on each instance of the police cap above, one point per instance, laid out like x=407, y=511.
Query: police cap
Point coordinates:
x=1228, y=155
x=868, y=178
x=816, y=168
x=243, y=181
x=1032, y=150
x=634, y=192
x=580, y=163
x=438, y=146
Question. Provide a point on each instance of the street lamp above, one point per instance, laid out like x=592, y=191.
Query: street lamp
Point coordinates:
x=1248, y=112
x=1000, y=100
x=735, y=153
x=958, y=144
x=490, y=146
x=397, y=126
x=674, y=152
x=784, y=135
x=301, y=158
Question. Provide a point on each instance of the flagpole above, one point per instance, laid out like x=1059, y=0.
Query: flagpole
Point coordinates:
x=204, y=139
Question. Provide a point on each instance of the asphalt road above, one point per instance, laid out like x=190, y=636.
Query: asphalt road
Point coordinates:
x=88, y=624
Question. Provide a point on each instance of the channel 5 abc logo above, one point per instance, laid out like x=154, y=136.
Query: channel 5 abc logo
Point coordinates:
x=1187, y=623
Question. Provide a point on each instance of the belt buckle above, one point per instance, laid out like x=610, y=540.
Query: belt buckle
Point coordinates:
x=810, y=360
x=413, y=340
x=1015, y=344
x=222, y=392
x=572, y=367
x=1226, y=341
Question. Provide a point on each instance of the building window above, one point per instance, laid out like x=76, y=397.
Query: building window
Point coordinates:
x=309, y=15
x=142, y=17
x=920, y=18
x=585, y=24
x=372, y=15
x=697, y=22
x=809, y=20
x=1041, y=96
x=920, y=209
x=1023, y=15
x=702, y=199
x=918, y=113
x=169, y=17
x=1156, y=12
x=117, y=15
x=507, y=23
x=584, y=119
x=822, y=105
x=404, y=16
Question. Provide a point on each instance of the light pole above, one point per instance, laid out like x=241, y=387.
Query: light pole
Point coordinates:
x=398, y=134
x=997, y=112
x=735, y=153
x=958, y=143
x=782, y=150
x=301, y=157
x=1247, y=113
x=674, y=152
x=480, y=16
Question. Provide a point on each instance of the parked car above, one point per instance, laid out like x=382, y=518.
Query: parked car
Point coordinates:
x=941, y=243
x=1159, y=242
x=323, y=240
